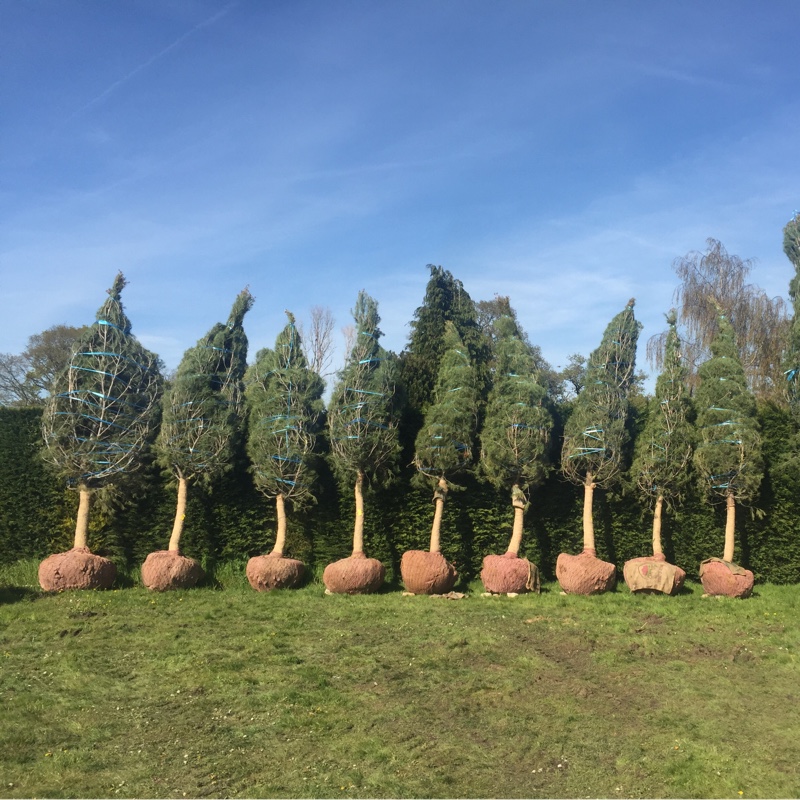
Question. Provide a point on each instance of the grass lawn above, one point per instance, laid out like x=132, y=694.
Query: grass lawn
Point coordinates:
x=223, y=692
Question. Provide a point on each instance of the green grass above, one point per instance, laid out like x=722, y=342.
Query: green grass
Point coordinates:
x=223, y=692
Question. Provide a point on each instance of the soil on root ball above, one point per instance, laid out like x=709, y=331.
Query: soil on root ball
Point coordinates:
x=427, y=573
x=509, y=574
x=274, y=572
x=585, y=573
x=354, y=575
x=166, y=569
x=653, y=574
x=76, y=569
x=718, y=578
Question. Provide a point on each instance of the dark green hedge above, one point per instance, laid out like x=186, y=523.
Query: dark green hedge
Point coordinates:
x=234, y=521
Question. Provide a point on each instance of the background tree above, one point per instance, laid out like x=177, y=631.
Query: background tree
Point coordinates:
x=728, y=453
x=718, y=279
x=96, y=425
x=595, y=437
x=791, y=246
x=284, y=401
x=202, y=419
x=362, y=422
x=661, y=465
x=444, y=447
x=515, y=441
x=318, y=343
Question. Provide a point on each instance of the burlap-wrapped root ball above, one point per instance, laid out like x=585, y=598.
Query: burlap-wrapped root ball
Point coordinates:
x=76, y=569
x=722, y=577
x=354, y=575
x=274, y=572
x=166, y=569
x=509, y=574
x=585, y=573
x=427, y=573
x=652, y=574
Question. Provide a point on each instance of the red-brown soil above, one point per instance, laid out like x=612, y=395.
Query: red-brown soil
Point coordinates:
x=653, y=574
x=427, y=573
x=166, y=569
x=354, y=575
x=274, y=572
x=76, y=569
x=718, y=578
x=585, y=573
x=509, y=574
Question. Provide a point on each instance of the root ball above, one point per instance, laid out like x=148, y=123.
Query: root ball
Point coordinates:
x=76, y=569
x=354, y=575
x=166, y=569
x=274, y=572
x=585, y=573
x=427, y=573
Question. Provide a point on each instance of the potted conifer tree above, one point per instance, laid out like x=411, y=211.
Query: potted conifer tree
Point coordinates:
x=515, y=438
x=444, y=447
x=96, y=425
x=202, y=419
x=594, y=440
x=284, y=403
x=362, y=423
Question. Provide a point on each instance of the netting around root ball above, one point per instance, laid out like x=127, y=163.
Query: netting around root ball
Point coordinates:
x=354, y=575
x=427, y=573
x=730, y=580
x=585, y=574
x=76, y=569
x=268, y=572
x=653, y=574
x=166, y=569
x=509, y=574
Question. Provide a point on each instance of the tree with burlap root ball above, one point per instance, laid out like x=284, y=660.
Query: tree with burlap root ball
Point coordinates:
x=362, y=423
x=443, y=448
x=201, y=420
x=594, y=440
x=515, y=440
x=284, y=403
x=96, y=425
x=728, y=453
x=661, y=465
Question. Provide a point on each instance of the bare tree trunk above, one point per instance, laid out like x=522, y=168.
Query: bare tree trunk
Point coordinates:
x=518, y=504
x=358, y=528
x=439, y=497
x=180, y=516
x=588, y=520
x=82, y=522
x=657, y=550
x=280, y=535
x=730, y=528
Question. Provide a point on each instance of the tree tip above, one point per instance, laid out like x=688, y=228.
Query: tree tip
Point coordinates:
x=118, y=285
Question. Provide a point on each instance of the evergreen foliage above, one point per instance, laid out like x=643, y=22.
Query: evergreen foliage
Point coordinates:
x=284, y=401
x=104, y=405
x=728, y=454
x=791, y=246
x=596, y=434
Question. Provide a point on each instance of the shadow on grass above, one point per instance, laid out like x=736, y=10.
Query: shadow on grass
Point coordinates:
x=18, y=594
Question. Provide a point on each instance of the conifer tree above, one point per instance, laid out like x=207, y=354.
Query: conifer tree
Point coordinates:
x=791, y=246
x=284, y=401
x=515, y=441
x=202, y=420
x=96, y=426
x=362, y=423
x=661, y=464
x=444, y=447
x=595, y=437
x=728, y=453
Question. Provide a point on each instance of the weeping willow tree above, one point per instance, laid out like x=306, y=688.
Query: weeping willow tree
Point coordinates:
x=362, y=423
x=515, y=440
x=595, y=437
x=728, y=453
x=443, y=448
x=661, y=464
x=201, y=420
x=96, y=425
x=284, y=401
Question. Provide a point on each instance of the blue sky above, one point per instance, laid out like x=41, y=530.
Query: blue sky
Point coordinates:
x=562, y=153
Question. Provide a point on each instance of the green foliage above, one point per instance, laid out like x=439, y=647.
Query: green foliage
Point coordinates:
x=663, y=450
x=284, y=402
x=104, y=407
x=728, y=454
x=791, y=246
x=444, y=444
x=596, y=433
x=362, y=417
x=203, y=407
x=518, y=425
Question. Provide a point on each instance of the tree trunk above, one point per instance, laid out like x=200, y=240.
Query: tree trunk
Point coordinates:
x=82, y=522
x=280, y=535
x=588, y=520
x=358, y=528
x=180, y=516
x=657, y=550
x=439, y=496
x=518, y=504
x=730, y=528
